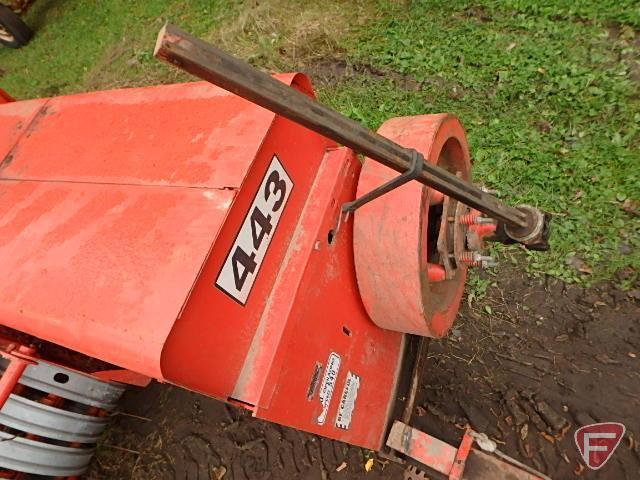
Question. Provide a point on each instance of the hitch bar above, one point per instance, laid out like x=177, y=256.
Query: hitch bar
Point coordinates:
x=522, y=224
x=463, y=463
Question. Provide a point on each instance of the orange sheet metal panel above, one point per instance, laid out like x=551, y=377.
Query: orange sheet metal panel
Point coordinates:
x=189, y=235
x=109, y=205
x=103, y=269
x=185, y=135
x=15, y=119
x=303, y=319
x=233, y=321
x=332, y=371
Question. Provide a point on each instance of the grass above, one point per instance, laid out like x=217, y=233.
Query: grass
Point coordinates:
x=548, y=91
x=550, y=101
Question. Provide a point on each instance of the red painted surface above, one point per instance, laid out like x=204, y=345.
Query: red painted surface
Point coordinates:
x=16, y=367
x=122, y=376
x=325, y=314
x=5, y=97
x=390, y=233
x=158, y=136
x=105, y=229
x=460, y=462
x=118, y=210
x=15, y=120
x=424, y=448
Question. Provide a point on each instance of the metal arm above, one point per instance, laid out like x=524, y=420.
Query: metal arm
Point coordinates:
x=522, y=224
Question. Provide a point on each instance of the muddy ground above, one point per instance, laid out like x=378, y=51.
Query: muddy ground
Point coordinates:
x=527, y=364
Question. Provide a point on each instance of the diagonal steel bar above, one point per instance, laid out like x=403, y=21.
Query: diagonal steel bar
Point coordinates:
x=209, y=63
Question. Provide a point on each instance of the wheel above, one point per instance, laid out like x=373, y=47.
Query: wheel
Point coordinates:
x=14, y=32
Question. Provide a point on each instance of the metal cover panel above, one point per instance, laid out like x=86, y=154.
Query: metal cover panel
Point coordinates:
x=191, y=134
x=214, y=329
x=317, y=361
x=15, y=118
x=40, y=458
x=103, y=269
x=110, y=206
x=46, y=421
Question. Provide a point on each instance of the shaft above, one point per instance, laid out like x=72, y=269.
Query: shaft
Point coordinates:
x=209, y=63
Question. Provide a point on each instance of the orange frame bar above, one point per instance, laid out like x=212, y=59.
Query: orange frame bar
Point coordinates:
x=5, y=97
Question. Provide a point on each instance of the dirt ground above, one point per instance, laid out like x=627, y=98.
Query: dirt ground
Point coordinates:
x=527, y=364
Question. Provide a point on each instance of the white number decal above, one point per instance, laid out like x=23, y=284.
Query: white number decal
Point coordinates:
x=243, y=262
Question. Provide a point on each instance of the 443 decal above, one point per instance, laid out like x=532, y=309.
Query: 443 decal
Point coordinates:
x=243, y=261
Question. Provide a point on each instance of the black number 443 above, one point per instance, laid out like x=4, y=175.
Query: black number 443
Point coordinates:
x=243, y=263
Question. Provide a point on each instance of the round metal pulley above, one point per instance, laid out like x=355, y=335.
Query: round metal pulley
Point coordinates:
x=410, y=244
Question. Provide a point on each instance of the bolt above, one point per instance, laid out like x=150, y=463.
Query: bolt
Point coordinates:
x=471, y=219
x=488, y=261
x=474, y=259
x=467, y=257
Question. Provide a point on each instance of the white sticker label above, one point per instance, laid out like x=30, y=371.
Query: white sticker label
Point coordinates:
x=348, y=401
x=243, y=261
x=328, y=385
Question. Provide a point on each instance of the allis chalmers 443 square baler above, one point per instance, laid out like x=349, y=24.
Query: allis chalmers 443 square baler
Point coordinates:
x=229, y=240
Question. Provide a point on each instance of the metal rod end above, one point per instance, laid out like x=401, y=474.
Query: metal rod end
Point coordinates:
x=160, y=39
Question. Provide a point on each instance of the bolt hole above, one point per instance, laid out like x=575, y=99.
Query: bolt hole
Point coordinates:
x=61, y=377
x=346, y=331
x=330, y=236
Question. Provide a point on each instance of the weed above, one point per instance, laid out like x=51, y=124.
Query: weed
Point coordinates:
x=477, y=286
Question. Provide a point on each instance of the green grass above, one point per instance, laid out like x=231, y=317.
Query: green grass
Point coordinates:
x=548, y=91
x=549, y=97
x=89, y=44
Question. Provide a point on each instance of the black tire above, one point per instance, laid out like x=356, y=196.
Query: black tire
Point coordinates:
x=14, y=32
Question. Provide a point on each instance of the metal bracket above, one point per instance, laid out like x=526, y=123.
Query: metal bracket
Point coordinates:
x=460, y=462
x=451, y=461
x=13, y=363
x=414, y=171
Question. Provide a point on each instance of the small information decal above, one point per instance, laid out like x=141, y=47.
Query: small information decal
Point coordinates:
x=243, y=261
x=348, y=401
x=328, y=385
